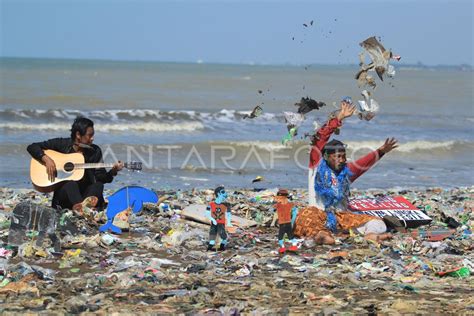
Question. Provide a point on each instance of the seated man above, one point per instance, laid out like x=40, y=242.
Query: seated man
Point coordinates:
x=89, y=190
x=329, y=183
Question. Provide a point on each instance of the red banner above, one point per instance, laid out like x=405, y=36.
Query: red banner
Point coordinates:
x=396, y=206
x=382, y=203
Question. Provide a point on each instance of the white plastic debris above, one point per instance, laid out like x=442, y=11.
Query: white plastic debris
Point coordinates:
x=391, y=71
x=295, y=119
x=367, y=107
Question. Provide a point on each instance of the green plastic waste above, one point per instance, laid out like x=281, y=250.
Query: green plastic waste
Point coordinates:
x=288, y=137
x=259, y=218
x=4, y=282
x=464, y=272
x=32, y=233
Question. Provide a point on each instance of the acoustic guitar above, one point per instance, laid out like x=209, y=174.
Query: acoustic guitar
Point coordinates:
x=69, y=167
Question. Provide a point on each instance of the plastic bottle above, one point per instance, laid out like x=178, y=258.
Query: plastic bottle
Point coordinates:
x=163, y=207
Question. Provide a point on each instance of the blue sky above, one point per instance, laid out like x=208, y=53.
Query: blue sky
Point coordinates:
x=432, y=32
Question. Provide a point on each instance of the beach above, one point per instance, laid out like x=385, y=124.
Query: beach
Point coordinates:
x=161, y=265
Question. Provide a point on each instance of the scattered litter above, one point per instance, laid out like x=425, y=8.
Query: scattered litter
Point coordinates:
x=161, y=265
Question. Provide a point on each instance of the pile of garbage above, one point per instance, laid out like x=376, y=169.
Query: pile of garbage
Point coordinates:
x=161, y=264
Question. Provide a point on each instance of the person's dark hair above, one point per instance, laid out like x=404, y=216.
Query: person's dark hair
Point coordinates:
x=334, y=146
x=81, y=124
x=218, y=189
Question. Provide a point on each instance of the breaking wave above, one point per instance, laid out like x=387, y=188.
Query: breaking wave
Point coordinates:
x=136, y=115
x=417, y=146
x=118, y=127
x=275, y=146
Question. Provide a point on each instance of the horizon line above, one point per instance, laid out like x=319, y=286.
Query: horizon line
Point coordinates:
x=202, y=62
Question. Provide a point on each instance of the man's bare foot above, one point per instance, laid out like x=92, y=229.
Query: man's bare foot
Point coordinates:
x=378, y=238
x=77, y=208
x=90, y=201
x=385, y=236
x=86, y=209
x=324, y=238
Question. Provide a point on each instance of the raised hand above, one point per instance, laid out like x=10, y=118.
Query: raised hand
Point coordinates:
x=346, y=110
x=390, y=143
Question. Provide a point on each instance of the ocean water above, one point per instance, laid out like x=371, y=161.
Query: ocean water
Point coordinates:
x=185, y=122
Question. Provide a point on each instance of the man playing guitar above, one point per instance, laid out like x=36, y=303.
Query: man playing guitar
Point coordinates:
x=88, y=190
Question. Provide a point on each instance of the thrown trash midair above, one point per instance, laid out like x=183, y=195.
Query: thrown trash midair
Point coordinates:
x=306, y=105
x=380, y=58
x=368, y=107
x=293, y=122
x=256, y=112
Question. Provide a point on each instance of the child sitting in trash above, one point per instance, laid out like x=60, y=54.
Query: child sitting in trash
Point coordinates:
x=286, y=213
x=219, y=214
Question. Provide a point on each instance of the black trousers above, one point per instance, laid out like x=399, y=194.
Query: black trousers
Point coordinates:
x=285, y=228
x=73, y=192
x=217, y=229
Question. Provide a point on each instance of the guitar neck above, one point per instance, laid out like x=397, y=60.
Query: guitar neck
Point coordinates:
x=93, y=165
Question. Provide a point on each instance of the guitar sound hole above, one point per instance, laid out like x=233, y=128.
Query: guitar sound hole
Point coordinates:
x=68, y=167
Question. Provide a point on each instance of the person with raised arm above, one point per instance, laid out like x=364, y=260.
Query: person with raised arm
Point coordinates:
x=329, y=180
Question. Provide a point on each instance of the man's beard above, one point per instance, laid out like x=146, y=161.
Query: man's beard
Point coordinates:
x=339, y=167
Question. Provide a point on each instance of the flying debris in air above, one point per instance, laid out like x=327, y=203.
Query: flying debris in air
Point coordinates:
x=366, y=80
x=256, y=112
x=380, y=58
x=368, y=107
x=307, y=104
x=293, y=122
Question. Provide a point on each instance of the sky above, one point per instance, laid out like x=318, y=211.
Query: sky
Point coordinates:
x=251, y=32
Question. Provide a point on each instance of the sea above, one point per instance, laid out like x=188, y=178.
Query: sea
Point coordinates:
x=186, y=124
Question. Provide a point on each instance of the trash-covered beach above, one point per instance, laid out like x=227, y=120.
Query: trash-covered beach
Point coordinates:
x=161, y=264
x=200, y=158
